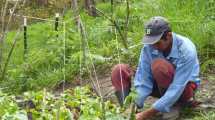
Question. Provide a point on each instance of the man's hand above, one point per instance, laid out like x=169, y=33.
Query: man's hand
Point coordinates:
x=146, y=114
x=139, y=116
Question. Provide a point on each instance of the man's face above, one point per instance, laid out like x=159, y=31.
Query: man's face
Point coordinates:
x=163, y=45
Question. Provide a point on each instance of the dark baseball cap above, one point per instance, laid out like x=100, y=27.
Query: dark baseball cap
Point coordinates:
x=154, y=29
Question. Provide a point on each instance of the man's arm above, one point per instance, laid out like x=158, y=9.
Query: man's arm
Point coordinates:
x=143, y=79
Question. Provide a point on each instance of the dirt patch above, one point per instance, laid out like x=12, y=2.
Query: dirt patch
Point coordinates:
x=205, y=94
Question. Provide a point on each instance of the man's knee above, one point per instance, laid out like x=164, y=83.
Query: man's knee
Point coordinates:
x=162, y=72
x=119, y=67
x=158, y=65
x=121, y=76
x=120, y=71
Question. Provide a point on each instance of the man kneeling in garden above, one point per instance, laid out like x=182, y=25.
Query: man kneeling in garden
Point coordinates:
x=168, y=69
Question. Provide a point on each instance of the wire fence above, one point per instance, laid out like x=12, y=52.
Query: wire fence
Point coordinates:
x=40, y=48
x=206, y=53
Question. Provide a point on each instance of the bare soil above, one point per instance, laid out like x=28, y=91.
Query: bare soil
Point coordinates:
x=205, y=94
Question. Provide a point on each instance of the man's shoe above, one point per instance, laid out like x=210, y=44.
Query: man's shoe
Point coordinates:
x=172, y=115
x=191, y=104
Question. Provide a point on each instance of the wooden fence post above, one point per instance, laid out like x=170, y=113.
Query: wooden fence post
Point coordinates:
x=56, y=22
x=25, y=39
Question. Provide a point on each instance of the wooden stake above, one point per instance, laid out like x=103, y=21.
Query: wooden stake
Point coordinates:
x=56, y=22
x=25, y=39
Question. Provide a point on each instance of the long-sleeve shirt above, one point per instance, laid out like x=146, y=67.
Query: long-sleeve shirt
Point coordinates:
x=183, y=56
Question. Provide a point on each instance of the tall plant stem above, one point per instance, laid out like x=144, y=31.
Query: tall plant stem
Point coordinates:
x=124, y=41
x=9, y=55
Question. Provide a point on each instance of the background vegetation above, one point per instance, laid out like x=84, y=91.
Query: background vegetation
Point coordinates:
x=55, y=58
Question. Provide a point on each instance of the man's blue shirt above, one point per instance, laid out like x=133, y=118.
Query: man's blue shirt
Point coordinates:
x=183, y=56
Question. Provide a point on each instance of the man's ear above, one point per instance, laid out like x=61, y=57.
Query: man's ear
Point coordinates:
x=169, y=36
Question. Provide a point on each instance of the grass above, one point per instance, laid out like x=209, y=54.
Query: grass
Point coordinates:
x=44, y=67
